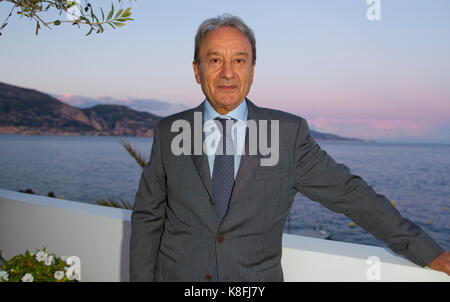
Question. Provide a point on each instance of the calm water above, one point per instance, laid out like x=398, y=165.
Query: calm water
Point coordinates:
x=85, y=168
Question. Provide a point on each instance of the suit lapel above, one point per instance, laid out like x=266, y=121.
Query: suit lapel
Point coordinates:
x=248, y=162
x=200, y=160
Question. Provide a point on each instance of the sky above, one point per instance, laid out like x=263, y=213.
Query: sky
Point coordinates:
x=386, y=80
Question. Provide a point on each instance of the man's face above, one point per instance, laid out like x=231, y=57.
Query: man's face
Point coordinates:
x=225, y=71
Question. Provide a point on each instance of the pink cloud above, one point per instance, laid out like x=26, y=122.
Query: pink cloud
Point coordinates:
x=107, y=99
x=125, y=100
x=65, y=96
x=373, y=128
x=69, y=98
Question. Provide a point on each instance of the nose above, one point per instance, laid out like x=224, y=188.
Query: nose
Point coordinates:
x=227, y=71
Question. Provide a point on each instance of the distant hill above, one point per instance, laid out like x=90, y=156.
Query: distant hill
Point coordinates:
x=28, y=111
x=155, y=107
x=332, y=137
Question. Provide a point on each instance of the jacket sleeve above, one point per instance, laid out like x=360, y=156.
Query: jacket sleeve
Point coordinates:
x=321, y=179
x=148, y=216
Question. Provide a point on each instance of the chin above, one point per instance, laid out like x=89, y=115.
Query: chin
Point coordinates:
x=228, y=101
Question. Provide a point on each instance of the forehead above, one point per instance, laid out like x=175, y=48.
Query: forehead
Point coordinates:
x=224, y=39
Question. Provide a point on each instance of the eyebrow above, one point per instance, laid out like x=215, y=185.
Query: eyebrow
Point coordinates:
x=241, y=53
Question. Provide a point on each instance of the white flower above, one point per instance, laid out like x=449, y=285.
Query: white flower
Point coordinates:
x=49, y=260
x=40, y=253
x=41, y=256
x=27, y=278
x=63, y=258
x=4, y=276
x=58, y=275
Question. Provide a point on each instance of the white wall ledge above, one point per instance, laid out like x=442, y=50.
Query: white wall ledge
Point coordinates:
x=100, y=235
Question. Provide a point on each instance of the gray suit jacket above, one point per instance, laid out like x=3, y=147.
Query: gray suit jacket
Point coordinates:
x=176, y=234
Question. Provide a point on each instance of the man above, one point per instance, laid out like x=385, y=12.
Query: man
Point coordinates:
x=220, y=217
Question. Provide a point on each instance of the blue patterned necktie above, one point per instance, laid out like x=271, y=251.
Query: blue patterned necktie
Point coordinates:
x=223, y=176
x=223, y=171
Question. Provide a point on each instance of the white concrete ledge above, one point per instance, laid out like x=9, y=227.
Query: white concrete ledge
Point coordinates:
x=319, y=260
x=99, y=236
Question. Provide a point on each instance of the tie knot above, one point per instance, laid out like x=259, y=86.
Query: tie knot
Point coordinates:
x=223, y=122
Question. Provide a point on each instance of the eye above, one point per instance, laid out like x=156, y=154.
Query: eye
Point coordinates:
x=215, y=60
x=239, y=61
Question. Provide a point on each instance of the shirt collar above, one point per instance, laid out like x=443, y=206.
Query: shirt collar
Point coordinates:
x=239, y=113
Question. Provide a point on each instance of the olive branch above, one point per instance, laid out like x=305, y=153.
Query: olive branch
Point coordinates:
x=85, y=15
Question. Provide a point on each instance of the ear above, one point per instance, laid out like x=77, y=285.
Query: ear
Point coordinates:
x=196, y=71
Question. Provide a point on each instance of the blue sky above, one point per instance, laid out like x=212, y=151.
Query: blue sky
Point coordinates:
x=387, y=80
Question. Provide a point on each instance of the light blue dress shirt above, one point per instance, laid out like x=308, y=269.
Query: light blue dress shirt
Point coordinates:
x=240, y=114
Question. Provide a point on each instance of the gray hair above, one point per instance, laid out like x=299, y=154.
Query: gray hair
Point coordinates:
x=224, y=20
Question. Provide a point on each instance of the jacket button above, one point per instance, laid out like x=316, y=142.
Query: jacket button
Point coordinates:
x=208, y=277
x=211, y=201
x=220, y=239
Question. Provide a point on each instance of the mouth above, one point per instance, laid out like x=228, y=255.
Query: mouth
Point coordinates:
x=227, y=88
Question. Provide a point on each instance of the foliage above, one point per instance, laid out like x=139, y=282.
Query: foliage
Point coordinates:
x=39, y=267
x=77, y=14
x=112, y=203
x=136, y=155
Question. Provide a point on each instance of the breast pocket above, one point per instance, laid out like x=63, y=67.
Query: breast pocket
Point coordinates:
x=269, y=187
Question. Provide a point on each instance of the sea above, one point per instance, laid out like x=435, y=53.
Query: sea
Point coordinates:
x=414, y=177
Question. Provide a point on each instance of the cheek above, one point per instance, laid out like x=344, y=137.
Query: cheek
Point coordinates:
x=207, y=79
x=244, y=79
x=212, y=80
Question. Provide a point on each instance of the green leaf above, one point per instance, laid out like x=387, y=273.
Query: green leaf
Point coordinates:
x=118, y=13
x=126, y=13
x=111, y=12
x=119, y=24
x=85, y=19
x=90, y=31
x=57, y=22
x=124, y=19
